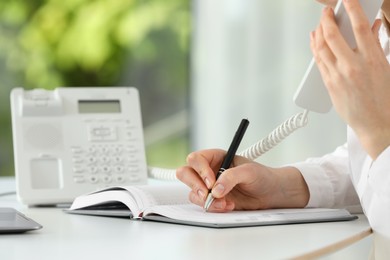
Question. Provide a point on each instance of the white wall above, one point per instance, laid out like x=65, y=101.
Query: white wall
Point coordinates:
x=248, y=58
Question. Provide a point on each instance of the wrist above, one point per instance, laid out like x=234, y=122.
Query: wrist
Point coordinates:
x=375, y=144
x=294, y=191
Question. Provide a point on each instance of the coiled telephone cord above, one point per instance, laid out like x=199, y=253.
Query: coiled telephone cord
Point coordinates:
x=264, y=145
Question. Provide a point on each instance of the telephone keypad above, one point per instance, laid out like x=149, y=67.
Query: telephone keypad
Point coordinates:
x=105, y=164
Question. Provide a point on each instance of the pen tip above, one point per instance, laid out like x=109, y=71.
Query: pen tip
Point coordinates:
x=208, y=202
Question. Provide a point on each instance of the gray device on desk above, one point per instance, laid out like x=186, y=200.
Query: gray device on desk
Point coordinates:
x=71, y=141
x=312, y=93
x=12, y=221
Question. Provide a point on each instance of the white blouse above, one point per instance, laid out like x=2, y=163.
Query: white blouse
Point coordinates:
x=349, y=178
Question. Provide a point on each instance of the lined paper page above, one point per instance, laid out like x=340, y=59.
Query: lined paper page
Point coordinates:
x=192, y=213
x=150, y=196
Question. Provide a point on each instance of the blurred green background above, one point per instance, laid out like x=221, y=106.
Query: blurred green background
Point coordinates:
x=140, y=43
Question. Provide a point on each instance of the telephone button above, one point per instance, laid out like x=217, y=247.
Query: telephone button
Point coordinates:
x=131, y=139
x=119, y=169
x=77, y=159
x=93, y=179
x=77, y=150
x=131, y=160
x=104, y=150
x=134, y=178
x=92, y=150
x=106, y=169
x=78, y=179
x=132, y=150
x=78, y=169
x=117, y=159
x=120, y=179
x=93, y=169
x=118, y=150
x=133, y=163
x=102, y=133
x=91, y=159
x=132, y=157
x=107, y=179
x=105, y=159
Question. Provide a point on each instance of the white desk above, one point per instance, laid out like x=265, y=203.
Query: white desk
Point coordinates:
x=66, y=236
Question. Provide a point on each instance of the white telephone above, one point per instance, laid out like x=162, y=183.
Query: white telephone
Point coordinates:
x=70, y=141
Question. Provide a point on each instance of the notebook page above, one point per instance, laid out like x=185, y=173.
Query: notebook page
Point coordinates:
x=107, y=196
x=136, y=198
x=152, y=195
x=195, y=215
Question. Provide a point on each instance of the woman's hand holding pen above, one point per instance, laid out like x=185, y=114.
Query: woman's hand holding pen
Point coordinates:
x=246, y=185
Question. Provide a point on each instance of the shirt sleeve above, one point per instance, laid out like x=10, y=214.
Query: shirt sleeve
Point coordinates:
x=379, y=175
x=376, y=202
x=376, y=196
x=329, y=182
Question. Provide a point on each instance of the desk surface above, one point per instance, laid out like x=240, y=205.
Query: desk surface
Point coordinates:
x=66, y=236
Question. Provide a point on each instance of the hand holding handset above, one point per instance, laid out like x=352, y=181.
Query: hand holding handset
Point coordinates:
x=312, y=94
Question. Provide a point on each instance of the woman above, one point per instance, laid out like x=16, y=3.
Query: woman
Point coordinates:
x=357, y=173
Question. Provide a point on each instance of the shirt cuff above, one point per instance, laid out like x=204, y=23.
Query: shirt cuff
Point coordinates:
x=320, y=188
x=379, y=174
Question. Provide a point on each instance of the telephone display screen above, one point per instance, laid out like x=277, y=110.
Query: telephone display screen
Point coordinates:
x=99, y=106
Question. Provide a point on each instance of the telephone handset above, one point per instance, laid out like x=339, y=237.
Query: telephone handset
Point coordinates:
x=312, y=94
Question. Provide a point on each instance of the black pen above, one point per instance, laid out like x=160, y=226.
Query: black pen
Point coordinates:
x=229, y=157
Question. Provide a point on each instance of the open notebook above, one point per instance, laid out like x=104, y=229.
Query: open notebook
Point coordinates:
x=169, y=203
